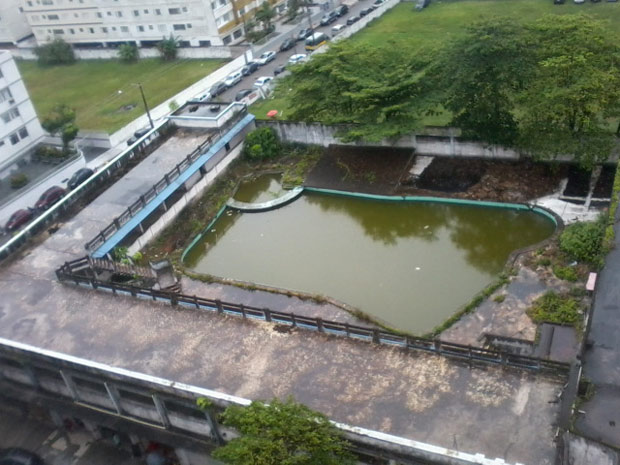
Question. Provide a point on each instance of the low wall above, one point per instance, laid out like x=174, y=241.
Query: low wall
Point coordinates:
x=112, y=53
x=434, y=145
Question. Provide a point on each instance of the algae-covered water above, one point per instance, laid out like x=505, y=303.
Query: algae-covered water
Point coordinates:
x=409, y=264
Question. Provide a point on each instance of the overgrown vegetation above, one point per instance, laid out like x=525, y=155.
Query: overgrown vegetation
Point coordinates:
x=584, y=241
x=57, y=52
x=261, y=144
x=128, y=53
x=19, y=180
x=282, y=433
x=61, y=120
x=566, y=273
x=610, y=235
x=168, y=48
x=552, y=307
x=48, y=153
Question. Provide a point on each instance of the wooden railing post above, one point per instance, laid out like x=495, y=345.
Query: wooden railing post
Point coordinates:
x=293, y=321
x=319, y=325
x=242, y=308
x=218, y=303
x=375, y=336
x=196, y=301
x=267, y=314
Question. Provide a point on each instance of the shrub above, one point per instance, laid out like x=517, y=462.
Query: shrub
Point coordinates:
x=128, y=53
x=168, y=48
x=19, y=180
x=499, y=298
x=545, y=261
x=555, y=308
x=262, y=143
x=49, y=153
x=583, y=241
x=57, y=52
x=566, y=273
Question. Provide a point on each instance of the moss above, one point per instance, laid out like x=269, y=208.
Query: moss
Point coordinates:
x=566, y=273
x=499, y=298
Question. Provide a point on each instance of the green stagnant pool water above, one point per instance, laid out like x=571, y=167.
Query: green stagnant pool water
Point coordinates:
x=411, y=265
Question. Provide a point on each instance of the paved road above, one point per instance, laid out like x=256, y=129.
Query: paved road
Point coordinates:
x=601, y=420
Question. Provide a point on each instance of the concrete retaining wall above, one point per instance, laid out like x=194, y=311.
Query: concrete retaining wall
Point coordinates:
x=112, y=53
x=441, y=145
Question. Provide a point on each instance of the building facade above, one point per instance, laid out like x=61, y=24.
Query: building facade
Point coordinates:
x=196, y=23
x=13, y=23
x=20, y=130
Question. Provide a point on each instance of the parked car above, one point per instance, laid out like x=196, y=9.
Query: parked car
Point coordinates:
x=279, y=69
x=342, y=10
x=16, y=456
x=378, y=3
x=233, y=79
x=49, y=197
x=79, y=177
x=217, y=88
x=366, y=11
x=579, y=2
x=305, y=33
x=329, y=18
x=287, y=44
x=249, y=68
x=141, y=132
x=266, y=58
x=261, y=81
x=352, y=20
x=558, y=2
x=243, y=93
x=18, y=219
x=337, y=28
x=298, y=58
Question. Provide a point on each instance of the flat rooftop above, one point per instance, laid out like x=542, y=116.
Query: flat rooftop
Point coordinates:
x=499, y=412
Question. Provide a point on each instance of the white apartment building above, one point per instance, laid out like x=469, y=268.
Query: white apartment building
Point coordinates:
x=20, y=130
x=196, y=23
x=13, y=23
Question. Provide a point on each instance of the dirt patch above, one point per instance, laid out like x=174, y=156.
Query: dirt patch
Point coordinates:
x=374, y=170
x=605, y=182
x=578, y=182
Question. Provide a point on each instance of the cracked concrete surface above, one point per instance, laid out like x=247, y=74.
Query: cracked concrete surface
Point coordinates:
x=491, y=410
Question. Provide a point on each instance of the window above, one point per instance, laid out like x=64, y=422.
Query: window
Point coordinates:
x=52, y=17
x=158, y=11
x=237, y=33
x=5, y=94
x=59, y=31
x=174, y=11
x=91, y=30
x=213, y=5
x=72, y=31
x=136, y=12
x=99, y=15
x=227, y=17
x=47, y=2
x=23, y=133
x=242, y=11
x=104, y=30
x=119, y=14
x=14, y=138
x=150, y=27
x=227, y=40
x=29, y=3
x=184, y=9
x=34, y=18
x=124, y=29
x=109, y=13
x=189, y=26
x=146, y=12
x=9, y=115
x=161, y=27
x=1, y=75
x=114, y=28
x=222, y=2
x=178, y=27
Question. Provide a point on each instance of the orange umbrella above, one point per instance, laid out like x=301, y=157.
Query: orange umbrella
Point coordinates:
x=272, y=113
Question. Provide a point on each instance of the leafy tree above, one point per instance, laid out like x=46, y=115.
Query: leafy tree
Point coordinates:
x=265, y=14
x=61, y=120
x=584, y=241
x=282, y=433
x=479, y=74
x=574, y=91
x=57, y=52
x=128, y=53
x=168, y=48
x=261, y=143
x=379, y=89
x=292, y=8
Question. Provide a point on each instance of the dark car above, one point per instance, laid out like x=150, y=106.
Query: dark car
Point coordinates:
x=305, y=33
x=17, y=456
x=79, y=177
x=352, y=19
x=329, y=18
x=279, y=69
x=378, y=3
x=18, y=219
x=141, y=132
x=287, y=44
x=366, y=11
x=242, y=94
x=217, y=88
x=249, y=68
x=342, y=10
x=50, y=197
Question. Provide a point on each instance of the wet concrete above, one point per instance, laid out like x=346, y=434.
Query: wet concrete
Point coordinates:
x=498, y=412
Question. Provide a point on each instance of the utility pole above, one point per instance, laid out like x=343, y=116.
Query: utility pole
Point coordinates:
x=146, y=107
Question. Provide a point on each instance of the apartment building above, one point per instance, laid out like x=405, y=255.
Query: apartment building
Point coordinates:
x=13, y=23
x=196, y=23
x=20, y=130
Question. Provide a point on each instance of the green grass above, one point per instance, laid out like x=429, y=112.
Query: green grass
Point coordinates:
x=92, y=87
x=404, y=28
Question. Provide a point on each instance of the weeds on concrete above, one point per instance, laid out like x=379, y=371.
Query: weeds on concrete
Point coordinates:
x=556, y=308
x=610, y=235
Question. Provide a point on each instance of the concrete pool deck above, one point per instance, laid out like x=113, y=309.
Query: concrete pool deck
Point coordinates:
x=491, y=410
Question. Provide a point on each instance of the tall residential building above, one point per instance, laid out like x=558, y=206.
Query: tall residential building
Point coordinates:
x=20, y=130
x=112, y=22
x=13, y=23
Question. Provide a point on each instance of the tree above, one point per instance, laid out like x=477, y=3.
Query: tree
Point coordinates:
x=261, y=143
x=128, y=53
x=574, y=92
x=61, y=120
x=379, y=89
x=478, y=76
x=292, y=8
x=57, y=52
x=265, y=14
x=168, y=48
x=282, y=433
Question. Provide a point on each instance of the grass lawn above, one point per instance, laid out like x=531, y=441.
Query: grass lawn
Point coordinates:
x=92, y=87
x=403, y=27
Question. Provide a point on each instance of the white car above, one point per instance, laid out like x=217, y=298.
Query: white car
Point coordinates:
x=261, y=81
x=266, y=58
x=234, y=78
x=299, y=58
x=337, y=28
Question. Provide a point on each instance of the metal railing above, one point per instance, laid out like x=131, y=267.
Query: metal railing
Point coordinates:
x=73, y=272
x=159, y=186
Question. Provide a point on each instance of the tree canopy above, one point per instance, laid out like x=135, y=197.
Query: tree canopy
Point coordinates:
x=57, y=52
x=61, y=120
x=282, y=433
